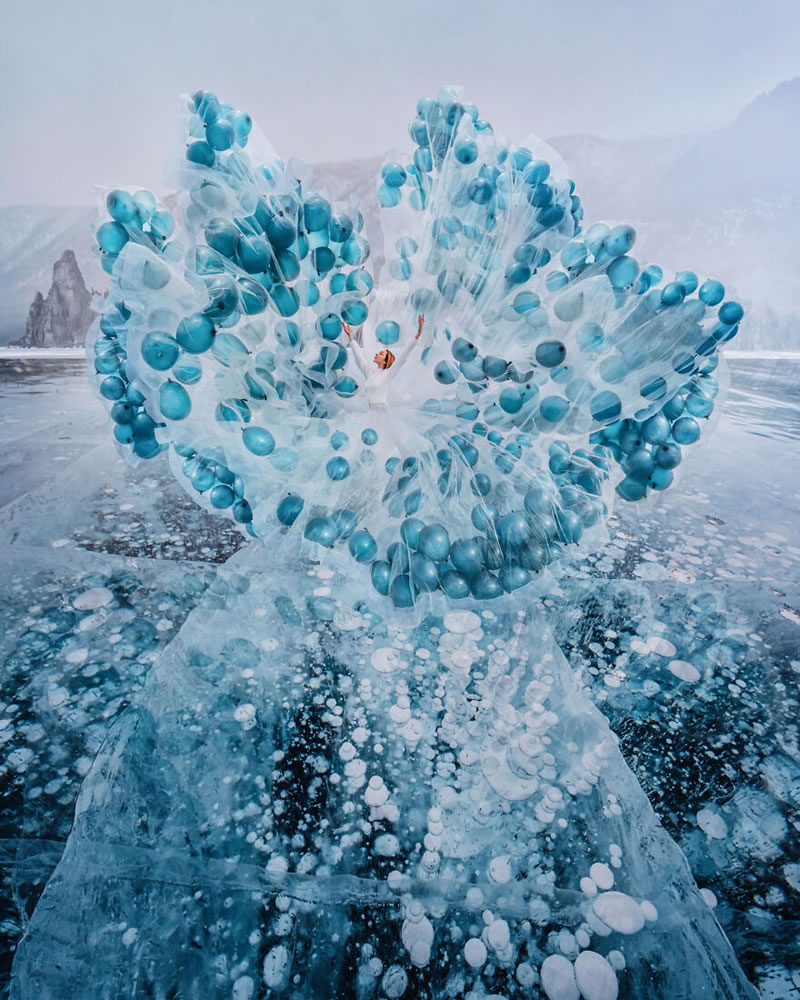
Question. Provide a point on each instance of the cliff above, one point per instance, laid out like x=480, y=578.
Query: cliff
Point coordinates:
x=63, y=317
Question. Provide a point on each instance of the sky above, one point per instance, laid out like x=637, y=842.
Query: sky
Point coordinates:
x=91, y=87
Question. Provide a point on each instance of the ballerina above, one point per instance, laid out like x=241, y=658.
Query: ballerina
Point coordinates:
x=376, y=386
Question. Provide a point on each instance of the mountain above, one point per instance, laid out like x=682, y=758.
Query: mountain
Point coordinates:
x=62, y=318
x=32, y=237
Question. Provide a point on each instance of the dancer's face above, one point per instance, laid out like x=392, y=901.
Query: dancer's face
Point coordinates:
x=384, y=359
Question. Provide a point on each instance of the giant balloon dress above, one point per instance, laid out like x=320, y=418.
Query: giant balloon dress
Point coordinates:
x=365, y=769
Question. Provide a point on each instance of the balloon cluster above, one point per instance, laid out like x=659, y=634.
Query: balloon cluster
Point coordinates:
x=553, y=366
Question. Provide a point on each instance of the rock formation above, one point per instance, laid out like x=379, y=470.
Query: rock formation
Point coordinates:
x=63, y=317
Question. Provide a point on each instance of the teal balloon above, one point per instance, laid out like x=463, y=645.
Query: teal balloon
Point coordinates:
x=200, y=153
x=258, y=440
x=174, y=401
x=362, y=546
x=321, y=530
x=112, y=237
x=711, y=292
x=381, y=575
x=195, y=334
x=159, y=350
x=222, y=496
x=730, y=313
x=402, y=592
x=455, y=585
x=220, y=135
x=337, y=468
x=289, y=509
x=434, y=542
x=686, y=430
x=387, y=332
x=121, y=206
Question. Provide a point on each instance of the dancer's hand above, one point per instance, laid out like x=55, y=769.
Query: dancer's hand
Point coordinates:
x=348, y=331
x=420, y=324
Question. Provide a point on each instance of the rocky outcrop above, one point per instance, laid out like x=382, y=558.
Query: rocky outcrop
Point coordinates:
x=63, y=317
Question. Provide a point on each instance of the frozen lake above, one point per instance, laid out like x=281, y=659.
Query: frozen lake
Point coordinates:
x=705, y=705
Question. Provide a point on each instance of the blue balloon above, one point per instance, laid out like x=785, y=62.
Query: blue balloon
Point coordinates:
x=174, y=401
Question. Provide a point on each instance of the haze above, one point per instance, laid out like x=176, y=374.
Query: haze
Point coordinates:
x=90, y=89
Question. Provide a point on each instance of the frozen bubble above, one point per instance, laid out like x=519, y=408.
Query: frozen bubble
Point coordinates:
x=525, y=975
x=601, y=875
x=347, y=751
x=394, y=982
x=97, y=597
x=498, y=935
x=684, y=671
x=387, y=845
x=386, y=659
x=595, y=977
x=615, y=850
x=77, y=656
x=500, y=870
x=619, y=911
x=649, y=911
x=658, y=644
x=640, y=647
x=558, y=978
x=130, y=935
x=616, y=959
x=246, y=714
x=377, y=793
x=712, y=824
x=588, y=886
x=791, y=873
x=276, y=966
x=708, y=898
x=461, y=621
x=475, y=952
x=243, y=988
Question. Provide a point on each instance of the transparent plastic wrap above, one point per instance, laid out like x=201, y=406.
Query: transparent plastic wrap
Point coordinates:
x=526, y=368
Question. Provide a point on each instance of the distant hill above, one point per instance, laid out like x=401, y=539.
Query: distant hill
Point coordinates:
x=726, y=204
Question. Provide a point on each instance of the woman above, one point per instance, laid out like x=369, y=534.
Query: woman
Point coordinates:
x=376, y=386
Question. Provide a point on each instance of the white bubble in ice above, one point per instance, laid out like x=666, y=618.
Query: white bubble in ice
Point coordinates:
x=475, y=952
x=243, y=988
x=386, y=659
x=461, y=621
x=394, y=981
x=658, y=644
x=97, y=597
x=588, y=887
x=619, y=911
x=616, y=960
x=500, y=870
x=712, y=824
x=595, y=977
x=276, y=966
x=684, y=671
x=708, y=898
x=558, y=978
x=387, y=845
x=498, y=935
x=649, y=911
x=601, y=875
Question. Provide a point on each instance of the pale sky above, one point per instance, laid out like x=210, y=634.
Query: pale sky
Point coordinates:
x=90, y=87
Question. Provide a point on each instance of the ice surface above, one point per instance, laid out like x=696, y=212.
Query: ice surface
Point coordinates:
x=690, y=569
x=245, y=842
